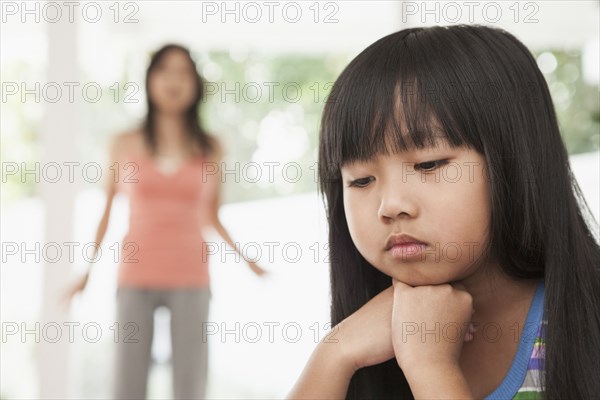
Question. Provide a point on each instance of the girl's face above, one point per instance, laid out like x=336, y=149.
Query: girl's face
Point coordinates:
x=438, y=196
x=172, y=83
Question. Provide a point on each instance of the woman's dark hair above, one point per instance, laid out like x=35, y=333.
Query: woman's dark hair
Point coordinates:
x=192, y=119
x=479, y=87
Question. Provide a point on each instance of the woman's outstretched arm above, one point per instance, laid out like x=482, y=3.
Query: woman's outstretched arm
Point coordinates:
x=212, y=203
x=110, y=189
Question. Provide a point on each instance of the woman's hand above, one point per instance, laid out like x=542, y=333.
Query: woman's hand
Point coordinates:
x=75, y=288
x=429, y=325
x=256, y=269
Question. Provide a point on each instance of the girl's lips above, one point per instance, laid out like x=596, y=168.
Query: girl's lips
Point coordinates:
x=403, y=239
x=405, y=251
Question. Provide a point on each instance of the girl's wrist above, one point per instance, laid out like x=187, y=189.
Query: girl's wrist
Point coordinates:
x=326, y=375
x=332, y=354
x=339, y=347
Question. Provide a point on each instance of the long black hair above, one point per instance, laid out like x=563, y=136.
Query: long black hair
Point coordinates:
x=481, y=88
x=192, y=118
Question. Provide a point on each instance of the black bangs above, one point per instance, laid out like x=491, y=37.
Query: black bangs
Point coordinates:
x=437, y=86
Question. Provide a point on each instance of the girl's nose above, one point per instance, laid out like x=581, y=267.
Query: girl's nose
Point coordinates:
x=396, y=202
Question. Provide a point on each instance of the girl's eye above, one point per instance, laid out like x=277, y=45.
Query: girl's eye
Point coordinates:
x=430, y=165
x=362, y=182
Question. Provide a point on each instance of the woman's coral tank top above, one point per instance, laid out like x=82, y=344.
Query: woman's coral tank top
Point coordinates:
x=163, y=247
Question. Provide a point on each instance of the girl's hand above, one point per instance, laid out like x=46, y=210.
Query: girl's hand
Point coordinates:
x=429, y=324
x=365, y=337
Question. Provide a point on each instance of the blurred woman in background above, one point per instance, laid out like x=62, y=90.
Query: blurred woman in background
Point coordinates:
x=169, y=168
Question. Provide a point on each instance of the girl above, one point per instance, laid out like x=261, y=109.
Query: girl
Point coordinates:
x=462, y=263
x=167, y=168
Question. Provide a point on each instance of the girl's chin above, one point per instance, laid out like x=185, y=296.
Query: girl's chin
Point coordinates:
x=420, y=280
x=413, y=274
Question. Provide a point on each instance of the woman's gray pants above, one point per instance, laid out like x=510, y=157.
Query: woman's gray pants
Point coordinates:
x=135, y=314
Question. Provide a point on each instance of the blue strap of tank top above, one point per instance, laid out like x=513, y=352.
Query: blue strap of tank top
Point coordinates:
x=518, y=369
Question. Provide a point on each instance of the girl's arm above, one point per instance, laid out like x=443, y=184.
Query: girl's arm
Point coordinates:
x=363, y=339
x=373, y=335
x=212, y=200
x=437, y=381
x=326, y=375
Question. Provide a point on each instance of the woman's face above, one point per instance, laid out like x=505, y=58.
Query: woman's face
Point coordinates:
x=438, y=196
x=172, y=83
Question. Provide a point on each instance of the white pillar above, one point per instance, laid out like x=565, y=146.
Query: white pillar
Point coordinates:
x=58, y=143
